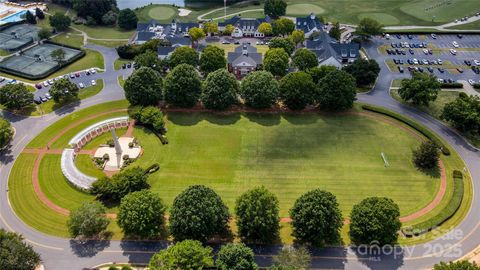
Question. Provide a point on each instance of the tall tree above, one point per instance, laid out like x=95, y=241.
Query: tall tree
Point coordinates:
x=320, y=72
x=127, y=19
x=44, y=33
x=458, y=265
x=364, y=71
x=297, y=36
x=149, y=59
x=182, y=86
x=15, y=254
x=426, y=156
x=304, y=59
x=60, y=21
x=30, y=18
x=259, y=90
x=6, y=132
x=464, y=113
x=88, y=220
x=335, y=31
x=94, y=8
x=297, y=90
x=236, y=257
x=196, y=34
x=141, y=213
x=63, y=90
x=276, y=61
x=265, y=28
x=316, y=218
x=210, y=28
x=368, y=27
x=212, y=58
x=275, y=8
x=110, y=18
x=188, y=255
x=290, y=258
x=183, y=55
x=283, y=26
x=285, y=43
x=58, y=55
x=336, y=91
x=219, y=90
x=375, y=220
x=39, y=13
x=198, y=213
x=144, y=87
x=228, y=29
x=257, y=216
x=421, y=89
x=15, y=96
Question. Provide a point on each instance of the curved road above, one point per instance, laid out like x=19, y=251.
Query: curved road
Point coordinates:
x=60, y=253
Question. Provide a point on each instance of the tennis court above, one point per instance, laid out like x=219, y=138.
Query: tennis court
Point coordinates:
x=17, y=36
x=37, y=61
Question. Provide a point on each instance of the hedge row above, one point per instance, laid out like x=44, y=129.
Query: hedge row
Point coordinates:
x=420, y=128
x=452, y=85
x=445, y=214
x=476, y=86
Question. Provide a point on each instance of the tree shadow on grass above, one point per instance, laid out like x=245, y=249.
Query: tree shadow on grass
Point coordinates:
x=88, y=248
x=296, y=118
x=433, y=172
x=264, y=119
x=223, y=119
x=184, y=119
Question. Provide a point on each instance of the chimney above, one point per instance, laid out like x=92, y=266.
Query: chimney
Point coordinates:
x=245, y=49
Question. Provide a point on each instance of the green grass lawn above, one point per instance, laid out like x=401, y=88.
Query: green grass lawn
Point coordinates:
x=289, y=154
x=121, y=81
x=469, y=26
x=46, y=135
x=91, y=59
x=71, y=38
x=435, y=109
x=4, y=53
x=161, y=13
x=104, y=32
x=107, y=43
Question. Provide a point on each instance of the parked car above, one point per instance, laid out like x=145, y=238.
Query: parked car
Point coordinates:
x=129, y=65
x=93, y=71
x=50, y=81
x=94, y=83
x=452, y=51
x=468, y=62
x=433, y=36
x=43, y=99
x=430, y=51
x=81, y=85
x=420, y=69
x=477, y=62
x=87, y=72
x=38, y=86
x=440, y=62
x=455, y=44
x=411, y=51
x=441, y=70
x=400, y=69
x=409, y=36
x=77, y=74
x=471, y=82
x=2, y=79
x=460, y=70
x=124, y=66
x=430, y=69
x=37, y=101
x=72, y=76
x=459, y=35
x=46, y=84
x=425, y=51
x=48, y=96
x=225, y=42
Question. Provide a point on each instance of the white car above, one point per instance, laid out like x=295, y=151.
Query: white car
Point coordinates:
x=48, y=96
x=425, y=51
x=94, y=83
x=440, y=80
x=455, y=44
x=93, y=71
x=50, y=81
x=439, y=61
x=2, y=79
x=46, y=84
x=472, y=82
x=452, y=51
x=477, y=62
x=81, y=85
x=415, y=61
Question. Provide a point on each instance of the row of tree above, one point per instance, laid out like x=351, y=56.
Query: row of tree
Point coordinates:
x=198, y=213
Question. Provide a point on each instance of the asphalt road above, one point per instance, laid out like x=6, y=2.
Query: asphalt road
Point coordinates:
x=59, y=253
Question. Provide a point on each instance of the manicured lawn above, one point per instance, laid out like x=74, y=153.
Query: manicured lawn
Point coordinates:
x=303, y=9
x=121, y=81
x=107, y=43
x=104, y=32
x=469, y=26
x=25, y=202
x=71, y=38
x=4, y=53
x=288, y=154
x=161, y=13
x=85, y=164
x=91, y=59
x=46, y=135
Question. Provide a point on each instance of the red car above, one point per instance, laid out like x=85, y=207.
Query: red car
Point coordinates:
x=77, y=74
x=38, y=86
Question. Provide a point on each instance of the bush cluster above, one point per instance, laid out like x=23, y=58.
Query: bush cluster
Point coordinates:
x=150, y=116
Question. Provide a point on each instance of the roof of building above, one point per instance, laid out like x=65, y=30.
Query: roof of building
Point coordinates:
x=326, y=47
x=245, y=54
x=245, y=22
x=308, y=23
x=183, y=27
x=145, y=26
x=164, y=51
x=145, y=36
x=182, y=41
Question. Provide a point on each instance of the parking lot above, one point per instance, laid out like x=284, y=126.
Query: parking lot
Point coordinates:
x=449, y=57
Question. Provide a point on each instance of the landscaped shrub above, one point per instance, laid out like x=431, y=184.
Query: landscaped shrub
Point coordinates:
x=452, y=85
x=418, y=127
x=445, y=214
x=150, y=116
x=106, y=157
x=111, y=143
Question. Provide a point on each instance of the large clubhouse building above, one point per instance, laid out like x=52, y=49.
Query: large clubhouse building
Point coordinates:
x=245, y=57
